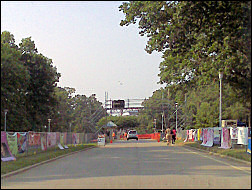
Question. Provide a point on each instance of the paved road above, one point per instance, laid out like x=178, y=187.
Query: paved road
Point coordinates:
x=136, y=164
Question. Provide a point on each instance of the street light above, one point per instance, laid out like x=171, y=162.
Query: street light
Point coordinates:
x=49, y=124
x=220, y=77
x=176, y=104
x=5, y=113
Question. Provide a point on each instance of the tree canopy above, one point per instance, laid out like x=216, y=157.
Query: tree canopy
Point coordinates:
x=198, y=39
x=29, y=91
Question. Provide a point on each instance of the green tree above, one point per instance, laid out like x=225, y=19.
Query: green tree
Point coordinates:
x=14, y=77
x=43, y=79
x=197, y=39
x=62, y=116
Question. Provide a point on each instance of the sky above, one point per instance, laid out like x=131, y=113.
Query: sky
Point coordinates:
x=87, y=45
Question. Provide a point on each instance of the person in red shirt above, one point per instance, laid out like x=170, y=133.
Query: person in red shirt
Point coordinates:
x=173, y=131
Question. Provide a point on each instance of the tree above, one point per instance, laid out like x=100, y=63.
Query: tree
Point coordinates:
x=40, y=91
x=14, y=77
x=197, y=39
x=62, y=116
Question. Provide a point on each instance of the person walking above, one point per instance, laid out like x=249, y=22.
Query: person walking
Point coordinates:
x=125, y=135
x=168, y=135
x=113, y=135
x=173, y=131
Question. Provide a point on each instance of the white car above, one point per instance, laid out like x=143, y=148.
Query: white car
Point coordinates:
x=132, y=134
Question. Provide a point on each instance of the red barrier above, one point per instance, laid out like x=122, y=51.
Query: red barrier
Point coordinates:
x=144, y=136
x=149, y=136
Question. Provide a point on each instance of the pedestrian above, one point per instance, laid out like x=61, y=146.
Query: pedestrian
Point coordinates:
x=173, y=131
x=168, y=135
x=125, y=135
x=113, y=135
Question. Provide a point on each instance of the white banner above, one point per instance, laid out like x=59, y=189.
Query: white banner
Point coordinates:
x=242, y=135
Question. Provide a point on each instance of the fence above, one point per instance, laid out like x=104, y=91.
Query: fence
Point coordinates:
x=224, y=137
x=22, y=143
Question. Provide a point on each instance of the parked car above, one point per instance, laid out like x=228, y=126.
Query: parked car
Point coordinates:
x=132, y=134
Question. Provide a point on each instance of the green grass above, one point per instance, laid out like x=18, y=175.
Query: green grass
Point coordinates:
x=33, y=158
x=239, y=153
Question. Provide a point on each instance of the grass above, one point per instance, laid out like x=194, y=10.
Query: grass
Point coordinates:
x=239, y=153
x=33, y=157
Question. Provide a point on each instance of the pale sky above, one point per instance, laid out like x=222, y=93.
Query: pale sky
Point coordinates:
x=87, y=45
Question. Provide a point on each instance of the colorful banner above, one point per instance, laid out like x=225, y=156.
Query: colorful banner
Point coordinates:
x=22, y=142
x=249, y=146
x=204, y=137
x=242, y=135
x=190, y=134
x=12, y=142
x=234, y=132
x=5, y=151
x=225, y=138
x=51, y=139
x=217, y=135
x=187, y=135
x=43, y=137
x=195, y=134
x=34, y=139
x=199, y=134
x=210, y=137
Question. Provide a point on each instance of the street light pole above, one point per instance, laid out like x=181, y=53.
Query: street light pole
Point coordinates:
x=220, y=77
x=49, y=124
x=5, y=113
x=176, y=104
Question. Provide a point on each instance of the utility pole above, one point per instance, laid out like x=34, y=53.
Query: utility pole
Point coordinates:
x=176, y=104
x=5, y=113
x=162, y=111
x=49, y=124
x=220, y=77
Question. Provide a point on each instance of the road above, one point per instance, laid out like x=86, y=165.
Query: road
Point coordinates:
x=135, y=164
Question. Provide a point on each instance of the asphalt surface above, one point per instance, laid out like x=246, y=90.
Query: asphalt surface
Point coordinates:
x=135, y=164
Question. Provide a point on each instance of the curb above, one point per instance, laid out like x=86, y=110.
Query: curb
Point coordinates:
x=40, y=163
x=220, y=155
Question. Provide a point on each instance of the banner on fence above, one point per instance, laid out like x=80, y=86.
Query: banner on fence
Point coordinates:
x=43, y=141
x=195, y=134
x=34, y=139
x=234, y=132
x=242, y=135
x=12, y=142
x=204, y=137
x=190, y=134
x=22, y=142
x=225, y=138
x=187, y=135
x=199, y=134
x=249, y=146
x=5, y=151
x=51, y=139
x=210, y=137
x=217, y=135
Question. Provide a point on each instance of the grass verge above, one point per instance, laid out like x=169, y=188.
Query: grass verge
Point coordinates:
x=33, y=158
x=239, y=153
